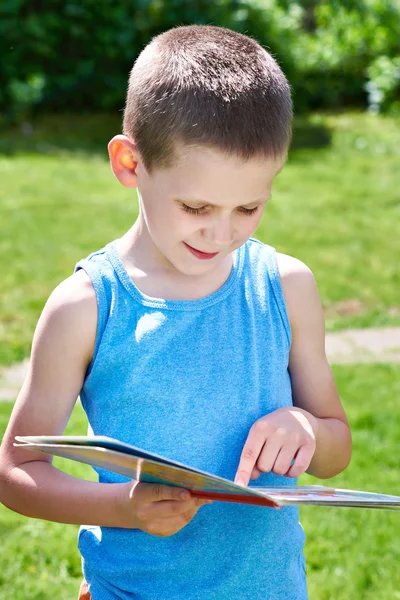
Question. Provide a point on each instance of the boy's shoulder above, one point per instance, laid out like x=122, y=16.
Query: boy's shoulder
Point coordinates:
x=72, y=304
x=299, y=288
x=293, y=270
x=66, y=330
x=75, y=291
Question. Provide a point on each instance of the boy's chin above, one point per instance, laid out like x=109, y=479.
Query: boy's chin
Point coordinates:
x=192, y=266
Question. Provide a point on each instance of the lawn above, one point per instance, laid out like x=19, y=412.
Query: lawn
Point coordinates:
x=39, y=560
x=351, y=553
x=335, y=206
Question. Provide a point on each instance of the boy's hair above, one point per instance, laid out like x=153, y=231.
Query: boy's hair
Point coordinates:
x=210, y=86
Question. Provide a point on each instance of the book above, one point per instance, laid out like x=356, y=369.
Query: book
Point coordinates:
x=147, y=467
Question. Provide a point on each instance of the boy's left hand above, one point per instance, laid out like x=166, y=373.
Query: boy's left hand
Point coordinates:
x=283, y=442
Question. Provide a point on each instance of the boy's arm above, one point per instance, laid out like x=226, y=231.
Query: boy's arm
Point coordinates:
x=313, y=385
x=62, y=349
x=314, y=434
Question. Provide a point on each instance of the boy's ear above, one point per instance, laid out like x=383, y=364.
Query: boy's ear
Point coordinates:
x=124, y=158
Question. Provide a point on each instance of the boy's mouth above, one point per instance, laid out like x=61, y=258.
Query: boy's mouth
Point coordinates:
x=199, y=254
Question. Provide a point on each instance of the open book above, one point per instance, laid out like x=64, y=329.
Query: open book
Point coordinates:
x=135, y=463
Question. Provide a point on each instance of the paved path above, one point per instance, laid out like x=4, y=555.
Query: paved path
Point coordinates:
x=11, y=379
x=352, y=346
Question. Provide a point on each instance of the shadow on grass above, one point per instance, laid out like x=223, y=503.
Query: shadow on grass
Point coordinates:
x=90, y=133
x=310, y=136
x=64, y=133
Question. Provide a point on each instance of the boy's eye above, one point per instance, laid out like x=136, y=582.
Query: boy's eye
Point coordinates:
x=248, y=211
x=202, y=209
x=193, y=211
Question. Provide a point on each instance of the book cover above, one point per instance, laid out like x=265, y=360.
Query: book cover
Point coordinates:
x=140, y=465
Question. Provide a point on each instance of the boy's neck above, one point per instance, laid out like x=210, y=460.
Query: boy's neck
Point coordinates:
x=156, y=277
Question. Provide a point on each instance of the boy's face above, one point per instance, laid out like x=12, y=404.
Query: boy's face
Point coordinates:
x=198, y=211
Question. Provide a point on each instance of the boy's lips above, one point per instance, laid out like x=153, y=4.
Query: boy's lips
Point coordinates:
x=199, y=254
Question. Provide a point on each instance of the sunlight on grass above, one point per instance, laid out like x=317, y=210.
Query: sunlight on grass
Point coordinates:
x=354, y=553
x=39, y=560
x=335, y=206
x=337, y=209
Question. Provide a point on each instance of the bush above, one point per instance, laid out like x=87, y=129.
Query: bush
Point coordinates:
x=344, y=51
x=76, y=54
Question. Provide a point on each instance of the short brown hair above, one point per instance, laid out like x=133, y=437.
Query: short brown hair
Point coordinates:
x=206, y=85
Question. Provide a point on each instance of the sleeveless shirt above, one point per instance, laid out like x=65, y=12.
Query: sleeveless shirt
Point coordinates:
x=187, y=380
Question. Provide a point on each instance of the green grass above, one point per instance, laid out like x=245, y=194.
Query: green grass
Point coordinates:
x=335, y=206
x=39, y=560
x=337, y=209
x=351, y=553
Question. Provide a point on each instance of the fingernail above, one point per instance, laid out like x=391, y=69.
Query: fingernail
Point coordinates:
x=184, y=495
x=240, y=482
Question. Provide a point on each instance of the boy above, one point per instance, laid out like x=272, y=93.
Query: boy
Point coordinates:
x=189, y=339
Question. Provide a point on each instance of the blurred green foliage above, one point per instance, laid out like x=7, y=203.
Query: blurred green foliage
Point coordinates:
x=76, y=54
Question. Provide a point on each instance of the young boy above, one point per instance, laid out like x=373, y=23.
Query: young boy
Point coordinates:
x=189, y=339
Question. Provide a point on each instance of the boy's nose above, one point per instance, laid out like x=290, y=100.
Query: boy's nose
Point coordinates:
x=220, y=231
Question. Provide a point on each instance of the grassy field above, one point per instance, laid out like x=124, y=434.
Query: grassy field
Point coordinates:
x=39, y=560
x=351, y=554
x=335, y=206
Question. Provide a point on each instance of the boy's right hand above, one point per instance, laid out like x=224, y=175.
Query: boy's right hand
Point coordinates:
x=160, y=510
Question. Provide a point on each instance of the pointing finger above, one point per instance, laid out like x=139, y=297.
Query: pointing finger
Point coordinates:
x=250, y=453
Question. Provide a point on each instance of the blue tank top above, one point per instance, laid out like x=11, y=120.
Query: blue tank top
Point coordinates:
x=187, y=379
